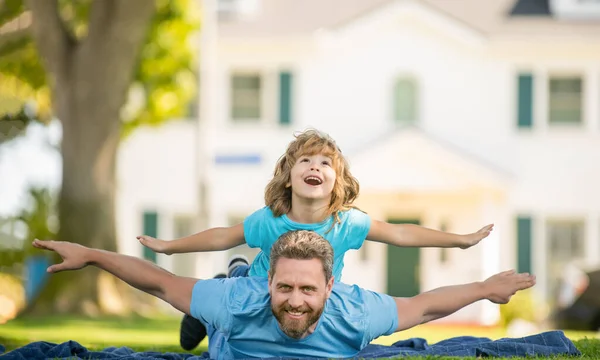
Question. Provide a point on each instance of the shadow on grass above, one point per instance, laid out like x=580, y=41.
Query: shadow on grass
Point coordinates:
x=160, y=333
x=15, y=343
x=132, y=323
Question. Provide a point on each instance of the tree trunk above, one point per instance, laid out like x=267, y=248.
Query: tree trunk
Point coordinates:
x=90, y=80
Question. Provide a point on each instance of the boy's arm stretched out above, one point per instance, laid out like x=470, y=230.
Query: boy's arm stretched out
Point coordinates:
x=220, y=238
x=409, y=235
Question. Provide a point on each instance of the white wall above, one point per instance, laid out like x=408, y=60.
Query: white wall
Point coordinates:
x=156, y=171
x=343, y=81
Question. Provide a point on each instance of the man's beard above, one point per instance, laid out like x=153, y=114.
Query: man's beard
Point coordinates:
x=296, y=328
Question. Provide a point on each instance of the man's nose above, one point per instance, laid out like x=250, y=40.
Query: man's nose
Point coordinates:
x=295, y=299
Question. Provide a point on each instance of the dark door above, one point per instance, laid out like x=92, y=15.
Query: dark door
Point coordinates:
x=403, y=266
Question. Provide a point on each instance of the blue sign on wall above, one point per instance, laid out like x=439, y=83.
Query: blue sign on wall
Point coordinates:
x=247, y=159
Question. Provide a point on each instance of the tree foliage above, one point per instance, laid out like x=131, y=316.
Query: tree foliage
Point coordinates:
x=165, y=83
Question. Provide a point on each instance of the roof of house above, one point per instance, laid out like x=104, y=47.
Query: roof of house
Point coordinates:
x=490, y=17
x=531, y=8
x=433, y=164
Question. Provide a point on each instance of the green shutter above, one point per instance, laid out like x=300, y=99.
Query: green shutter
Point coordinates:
x=524, y=234
x=285, y=98
x=525, y=101
x=151, y=229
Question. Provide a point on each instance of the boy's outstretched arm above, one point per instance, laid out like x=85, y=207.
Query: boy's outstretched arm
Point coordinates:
x=444, y=301
x=140, y=274
x=410, y=235
x=215, y=239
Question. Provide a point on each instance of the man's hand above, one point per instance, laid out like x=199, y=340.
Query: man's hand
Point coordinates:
x=74, y=256
x=474, y=238
x=501, y=287
x=159, y=246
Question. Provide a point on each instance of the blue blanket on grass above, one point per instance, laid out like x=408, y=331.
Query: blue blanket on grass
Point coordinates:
x=544, y=344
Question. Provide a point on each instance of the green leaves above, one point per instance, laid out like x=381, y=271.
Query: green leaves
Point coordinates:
x=165, y=81
x=10, y=9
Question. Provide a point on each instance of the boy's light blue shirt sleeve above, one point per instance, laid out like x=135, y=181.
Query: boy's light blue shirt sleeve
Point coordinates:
x=252, y=227
x=359, y=224
x=210, y=304
x=382, y=315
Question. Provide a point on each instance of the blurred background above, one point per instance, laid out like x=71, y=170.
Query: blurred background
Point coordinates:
x=166, y=118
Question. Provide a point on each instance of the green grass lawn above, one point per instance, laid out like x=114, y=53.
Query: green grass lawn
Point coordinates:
x=162, y=334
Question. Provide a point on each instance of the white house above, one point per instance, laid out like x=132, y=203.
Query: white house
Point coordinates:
x=453, y=114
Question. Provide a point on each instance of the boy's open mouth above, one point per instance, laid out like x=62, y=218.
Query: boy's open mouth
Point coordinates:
x=313, y=180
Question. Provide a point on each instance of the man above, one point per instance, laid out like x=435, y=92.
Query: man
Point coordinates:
x=297, y=311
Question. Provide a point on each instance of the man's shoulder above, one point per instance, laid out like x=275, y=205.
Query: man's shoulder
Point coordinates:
x=352, y=300
x=247, y=293
x=347, y=300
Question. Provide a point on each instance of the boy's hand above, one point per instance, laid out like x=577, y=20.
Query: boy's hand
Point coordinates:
x=474, y=238
x=500, y=287
x=74, y=256
x=159, y=246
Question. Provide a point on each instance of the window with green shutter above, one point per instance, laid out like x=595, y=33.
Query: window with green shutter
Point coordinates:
x=405, y=101
x=565, y=244
x=525, y=100
x=150, y=224
x=524, y=235
x=246, y=97
x=565, y=100
x=285, y=97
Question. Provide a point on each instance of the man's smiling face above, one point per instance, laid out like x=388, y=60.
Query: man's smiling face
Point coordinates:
x=298, y=294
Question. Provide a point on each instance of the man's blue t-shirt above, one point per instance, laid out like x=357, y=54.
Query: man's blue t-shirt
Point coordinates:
x=262, y=229
x=238, y=311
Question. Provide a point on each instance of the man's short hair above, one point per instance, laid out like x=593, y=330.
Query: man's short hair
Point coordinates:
x=303, y=245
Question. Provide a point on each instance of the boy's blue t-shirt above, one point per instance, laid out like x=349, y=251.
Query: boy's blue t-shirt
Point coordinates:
x=262, y=229
x=237, y=312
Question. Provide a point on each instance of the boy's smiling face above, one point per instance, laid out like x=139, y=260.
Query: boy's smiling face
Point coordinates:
x=313, y=177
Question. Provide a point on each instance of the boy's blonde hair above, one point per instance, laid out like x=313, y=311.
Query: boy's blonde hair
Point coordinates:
x=278, y=193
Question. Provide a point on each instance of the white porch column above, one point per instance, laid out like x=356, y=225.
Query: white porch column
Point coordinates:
x=592, y=94
x=490, y=313
x=206, y=128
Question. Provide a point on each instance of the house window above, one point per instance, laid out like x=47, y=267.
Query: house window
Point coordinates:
x=182, y=226
x=565, y=100
x=246, y=97
x=405, y=101
x=565, y=243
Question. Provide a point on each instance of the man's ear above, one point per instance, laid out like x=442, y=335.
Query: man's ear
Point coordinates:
x=329, y=286
x=269, y=282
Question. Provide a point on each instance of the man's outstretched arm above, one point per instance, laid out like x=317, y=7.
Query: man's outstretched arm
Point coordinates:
x=140, y=274
x=444, y=301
